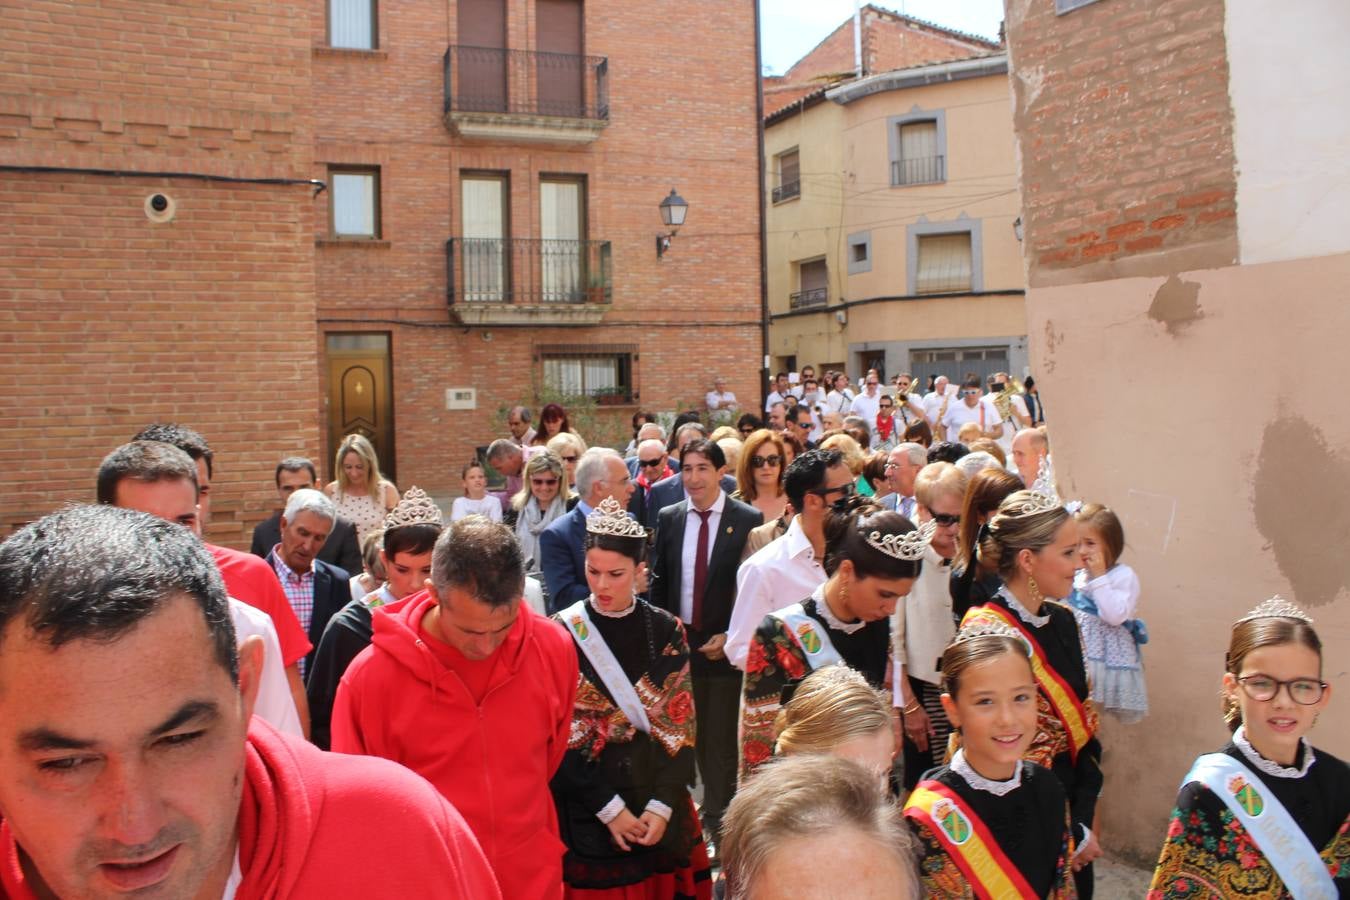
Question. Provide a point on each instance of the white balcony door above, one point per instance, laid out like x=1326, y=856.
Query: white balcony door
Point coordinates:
x=561, y=227
x=484, y=258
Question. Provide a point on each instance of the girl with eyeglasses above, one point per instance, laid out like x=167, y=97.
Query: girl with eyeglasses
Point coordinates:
x=759, y=475
x=1267, y=816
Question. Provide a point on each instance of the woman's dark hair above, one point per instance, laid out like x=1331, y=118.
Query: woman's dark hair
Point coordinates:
x=919, y=433
x=1253, y=634
x=554, y=411
x=641, y=418
x=791, y=441
x=410, y=539
x=748, y=420
x=632, y=547
x=874, y=470
x=846, y=532
x=986, y=489
x=947, y=451
x=958, y=657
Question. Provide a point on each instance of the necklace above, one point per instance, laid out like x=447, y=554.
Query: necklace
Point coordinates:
x=1273, y=768
x=611, y=614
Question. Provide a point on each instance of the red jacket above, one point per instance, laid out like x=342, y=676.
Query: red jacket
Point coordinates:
x=493, y=761
x=322, y=825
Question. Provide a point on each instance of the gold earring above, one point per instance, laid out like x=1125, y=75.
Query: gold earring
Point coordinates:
x=1035, y=590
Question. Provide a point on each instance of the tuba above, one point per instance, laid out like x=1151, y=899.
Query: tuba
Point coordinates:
x=1003, y=399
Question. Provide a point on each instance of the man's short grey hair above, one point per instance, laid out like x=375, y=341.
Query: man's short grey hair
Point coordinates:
x=502, y=449
x=591, y=469
x=778, y=404
x=977, y=462
x=651, y=431
x=652, y=442
x=916, y=454
x=520, y=411
x=310, y=501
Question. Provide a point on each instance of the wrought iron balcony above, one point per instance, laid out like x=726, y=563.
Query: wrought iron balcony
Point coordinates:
x=808, y=298
x=520, y=95
x=919, y=170
x=787, y=190
x=517, y=281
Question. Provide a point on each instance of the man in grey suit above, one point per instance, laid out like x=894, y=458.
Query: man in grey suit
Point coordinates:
x=698, y=548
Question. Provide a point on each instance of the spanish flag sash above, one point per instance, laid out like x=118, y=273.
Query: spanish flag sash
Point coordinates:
x=967, y=841
x=1068, y=708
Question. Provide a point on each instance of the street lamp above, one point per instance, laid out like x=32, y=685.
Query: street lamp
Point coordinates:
x=673, y=210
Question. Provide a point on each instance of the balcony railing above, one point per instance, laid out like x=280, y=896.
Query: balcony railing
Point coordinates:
x=919, y=170
x=808, y=298
x=526, y=83
x=527, y=271
x=786, y=191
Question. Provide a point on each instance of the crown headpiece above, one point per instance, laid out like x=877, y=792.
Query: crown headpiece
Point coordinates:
x=986, y=626
x=610, y=518
x=1277, y=608
x=909, y=546
x=416, y=508
x=1044, y=496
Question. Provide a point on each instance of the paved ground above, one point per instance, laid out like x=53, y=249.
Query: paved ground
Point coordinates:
x=1118, y=881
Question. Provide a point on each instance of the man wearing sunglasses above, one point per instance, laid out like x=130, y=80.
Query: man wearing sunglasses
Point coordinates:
x=652, y=465
x=973, y=408
x=791, y=565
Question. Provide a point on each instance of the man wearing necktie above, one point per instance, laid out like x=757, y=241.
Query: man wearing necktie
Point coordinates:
x=693, y=576
x=902, y=467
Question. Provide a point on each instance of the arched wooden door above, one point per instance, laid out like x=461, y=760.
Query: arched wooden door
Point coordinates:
x=360, y=395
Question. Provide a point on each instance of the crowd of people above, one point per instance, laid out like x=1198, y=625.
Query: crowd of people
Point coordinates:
x=856, y=647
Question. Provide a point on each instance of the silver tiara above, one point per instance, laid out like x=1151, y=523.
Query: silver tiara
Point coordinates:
x=1043, y=496
x=609, y=518
x=909, y=546
x=416, y=508
x=987, y=626
x=1277, y=608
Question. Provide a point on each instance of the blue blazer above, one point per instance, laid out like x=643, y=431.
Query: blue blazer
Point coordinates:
x=562, y=557
x=332, y=591
x=668, y=492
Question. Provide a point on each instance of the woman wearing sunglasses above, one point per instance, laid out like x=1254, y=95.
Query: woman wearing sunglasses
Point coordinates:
x=543, y=497
x=1267, y=816
x=759, y=476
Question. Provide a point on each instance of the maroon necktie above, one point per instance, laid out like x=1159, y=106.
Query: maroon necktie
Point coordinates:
x=700, y=567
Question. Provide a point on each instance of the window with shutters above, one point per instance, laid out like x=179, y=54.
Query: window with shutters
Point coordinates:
x=813, y=280
x=918, y=147
x=944, y=257
x=354, y=204
x=352, y=24
x=789, y=174
x=603, y=373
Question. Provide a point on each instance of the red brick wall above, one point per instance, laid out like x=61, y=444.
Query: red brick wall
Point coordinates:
x=683, y=120
x=1125, y=129
x=112, y=321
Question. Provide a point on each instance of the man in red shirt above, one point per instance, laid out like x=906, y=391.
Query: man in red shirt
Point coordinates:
x=247, y=577
x=129, y=760
x=467, y=686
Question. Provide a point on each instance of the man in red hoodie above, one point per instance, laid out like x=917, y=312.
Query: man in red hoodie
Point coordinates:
x=129, y=762
x=467, y=686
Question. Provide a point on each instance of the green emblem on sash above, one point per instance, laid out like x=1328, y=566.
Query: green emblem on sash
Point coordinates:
x=579, y=626
x=810, y=640
x=952, y=821
x=1246, y=795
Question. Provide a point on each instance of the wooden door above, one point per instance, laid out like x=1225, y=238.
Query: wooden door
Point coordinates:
x=561, y=67
x=360, y=395
x=483, y=59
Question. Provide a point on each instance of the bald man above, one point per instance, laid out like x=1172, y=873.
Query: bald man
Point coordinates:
x=1029, y=447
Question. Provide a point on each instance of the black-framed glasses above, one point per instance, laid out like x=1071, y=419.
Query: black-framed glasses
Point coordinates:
x=844, y=490
x=650, y=463
x=947, y=520
x=1303, y=691
x=772, y=459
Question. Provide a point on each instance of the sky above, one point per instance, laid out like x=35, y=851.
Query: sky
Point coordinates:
x=792, y=27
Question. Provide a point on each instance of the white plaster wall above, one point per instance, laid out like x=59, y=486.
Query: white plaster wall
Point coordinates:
x=1289, y=82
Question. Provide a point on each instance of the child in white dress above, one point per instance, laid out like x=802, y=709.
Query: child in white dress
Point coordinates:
x=1104, y=601
x=476, y=500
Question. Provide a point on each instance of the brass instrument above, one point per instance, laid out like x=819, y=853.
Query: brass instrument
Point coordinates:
x=1003, y=399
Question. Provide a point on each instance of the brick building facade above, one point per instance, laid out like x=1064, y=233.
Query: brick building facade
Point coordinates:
x=268, y=317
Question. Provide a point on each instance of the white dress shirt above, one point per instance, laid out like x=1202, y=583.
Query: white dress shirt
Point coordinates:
x=714, y=399
x=275, y=703
x=783, y=572
x=866, y=408
x=692, y=523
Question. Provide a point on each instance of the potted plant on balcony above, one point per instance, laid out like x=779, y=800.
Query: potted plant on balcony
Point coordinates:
x=610, y=396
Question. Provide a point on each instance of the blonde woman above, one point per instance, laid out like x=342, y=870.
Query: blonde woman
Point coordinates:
x=567, y=447
x=542, y=498
x=363, y=495
x=834, y=710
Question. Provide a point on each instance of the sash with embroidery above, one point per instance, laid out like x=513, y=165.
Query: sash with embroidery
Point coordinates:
x=967, y=841
x=809, y=635
x=578, y=621
x=1068, y=708
x=1277, y=835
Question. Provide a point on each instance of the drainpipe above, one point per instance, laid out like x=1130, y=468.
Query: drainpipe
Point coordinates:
x=763, y=227
x=857, y=38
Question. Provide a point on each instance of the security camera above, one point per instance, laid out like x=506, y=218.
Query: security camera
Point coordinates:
x=159, y=203
x=160, y=208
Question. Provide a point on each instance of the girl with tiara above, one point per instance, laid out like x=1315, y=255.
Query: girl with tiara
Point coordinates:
x=835, y=711
x=872, y=557
x=624, y=809
x=1267, y=816
x=990, y=824
x=1032, y=542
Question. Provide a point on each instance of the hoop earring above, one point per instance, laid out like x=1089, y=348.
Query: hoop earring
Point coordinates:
x=1035, y=590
